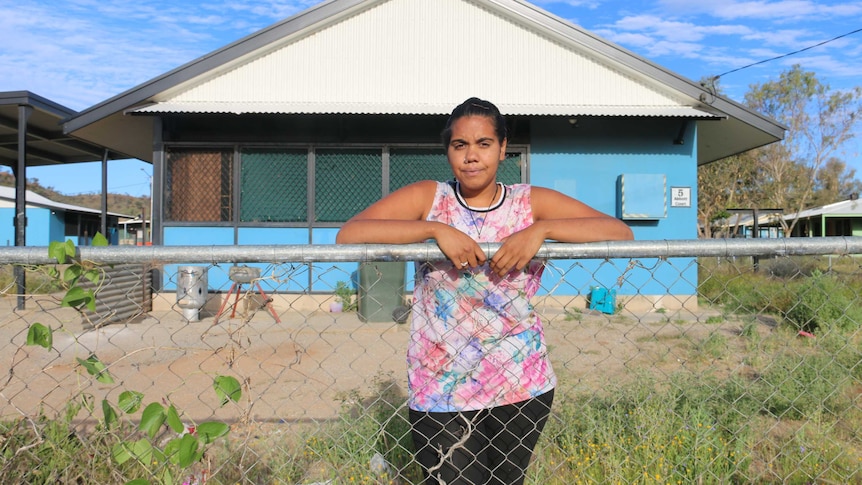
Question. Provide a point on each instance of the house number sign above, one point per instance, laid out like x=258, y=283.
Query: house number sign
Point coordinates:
x=680, y=197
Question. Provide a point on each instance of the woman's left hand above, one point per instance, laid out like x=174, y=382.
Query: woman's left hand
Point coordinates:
x=517, y=250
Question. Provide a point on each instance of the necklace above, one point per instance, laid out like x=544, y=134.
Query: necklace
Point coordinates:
x=471, y=210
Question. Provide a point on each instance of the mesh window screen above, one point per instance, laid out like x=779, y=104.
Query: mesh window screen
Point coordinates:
x=408, y=165
x=274, y=186
x=198, y=185
x=346, y=182
x=510, y=168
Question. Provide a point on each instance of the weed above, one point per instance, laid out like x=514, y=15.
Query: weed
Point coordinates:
x=344, y=294
x=823, y=302
x=713, y=346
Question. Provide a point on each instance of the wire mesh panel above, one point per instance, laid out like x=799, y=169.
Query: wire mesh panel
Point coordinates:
x=408, y=165
x=748, y=373
x=198, y=185
x=342, y=178
x=273, y=186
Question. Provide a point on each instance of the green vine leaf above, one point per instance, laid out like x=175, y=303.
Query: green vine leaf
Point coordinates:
x=130, y=401
x=227, y=388
x=142, y=450
x=77, y=296
x=140, y=481
x=120, y=452
x=110, y=415
x=39, y=334
x=152, y=419
x=61, y=250
x=174, y=420
x=72, y=273
x=187, y=453
x=94, y=275
x=167, y=476
x=99, y=240
x=96, y=368
x=172, y=450
x=209, y=431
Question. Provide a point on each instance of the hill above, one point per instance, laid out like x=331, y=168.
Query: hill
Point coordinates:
x=117, y=203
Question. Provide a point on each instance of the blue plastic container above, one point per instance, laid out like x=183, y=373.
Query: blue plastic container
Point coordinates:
x=603, y=299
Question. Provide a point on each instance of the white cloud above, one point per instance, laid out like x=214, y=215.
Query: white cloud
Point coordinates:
x=770, y=11
x=84, y=51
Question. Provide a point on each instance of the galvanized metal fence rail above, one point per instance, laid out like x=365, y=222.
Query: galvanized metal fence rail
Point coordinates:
x=702, y=361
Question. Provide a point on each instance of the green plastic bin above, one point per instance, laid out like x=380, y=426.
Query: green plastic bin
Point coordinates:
x=381, y=290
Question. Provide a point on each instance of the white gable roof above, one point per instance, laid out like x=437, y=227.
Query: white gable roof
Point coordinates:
x=408, y=56
x=7, y=199
x=423, y=57
x=850, y=207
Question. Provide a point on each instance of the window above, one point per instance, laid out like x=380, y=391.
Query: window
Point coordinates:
x=274, y=185
x=346, y=181
x=198, y=185
x=273, y=182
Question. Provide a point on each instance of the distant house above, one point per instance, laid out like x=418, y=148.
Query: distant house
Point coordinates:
x=280, y=137
x=49, y=221
x=838, y=219
x=750, y=223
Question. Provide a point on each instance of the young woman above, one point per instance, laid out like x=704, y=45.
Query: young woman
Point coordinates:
x=480, y=385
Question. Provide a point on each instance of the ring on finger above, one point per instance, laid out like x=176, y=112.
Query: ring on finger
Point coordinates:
x=464, y=264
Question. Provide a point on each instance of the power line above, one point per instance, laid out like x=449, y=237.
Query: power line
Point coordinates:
x=788, y=54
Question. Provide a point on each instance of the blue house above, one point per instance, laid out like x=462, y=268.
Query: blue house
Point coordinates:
x=281, y=136
x=49, y=221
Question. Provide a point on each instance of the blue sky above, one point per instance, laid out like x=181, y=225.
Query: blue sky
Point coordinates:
x=81, y=52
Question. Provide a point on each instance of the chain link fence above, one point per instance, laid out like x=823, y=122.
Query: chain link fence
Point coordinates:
x=715, y=361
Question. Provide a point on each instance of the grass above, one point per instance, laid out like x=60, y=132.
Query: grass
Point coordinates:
x=794, y=420
x=761, y=405
x=37, y=281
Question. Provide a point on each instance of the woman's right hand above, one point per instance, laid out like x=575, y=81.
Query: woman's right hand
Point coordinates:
x=458, y=247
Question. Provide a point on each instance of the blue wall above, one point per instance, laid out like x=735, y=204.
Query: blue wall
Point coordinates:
x=43, y=226
x=592, y=157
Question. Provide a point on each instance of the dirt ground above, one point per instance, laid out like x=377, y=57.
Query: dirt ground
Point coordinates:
x=302, y=369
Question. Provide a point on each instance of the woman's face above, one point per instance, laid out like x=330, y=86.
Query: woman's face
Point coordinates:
x=474, y=154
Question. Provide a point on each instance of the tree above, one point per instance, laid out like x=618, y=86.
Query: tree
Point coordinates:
x=819, y=120
x=802, y=170
x=722, y=185
x=834, y=182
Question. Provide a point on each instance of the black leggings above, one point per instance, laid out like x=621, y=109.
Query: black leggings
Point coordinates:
x=491, y=446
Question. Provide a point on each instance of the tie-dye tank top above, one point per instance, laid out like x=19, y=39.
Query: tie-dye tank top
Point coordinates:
x=476, y=341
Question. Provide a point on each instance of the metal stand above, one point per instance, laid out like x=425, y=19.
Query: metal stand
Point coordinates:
x=241, y=275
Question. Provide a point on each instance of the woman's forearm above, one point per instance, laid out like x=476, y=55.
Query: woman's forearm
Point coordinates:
x=586, y=229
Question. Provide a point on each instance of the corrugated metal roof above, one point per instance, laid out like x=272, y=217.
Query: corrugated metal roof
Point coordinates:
x=240, y=107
